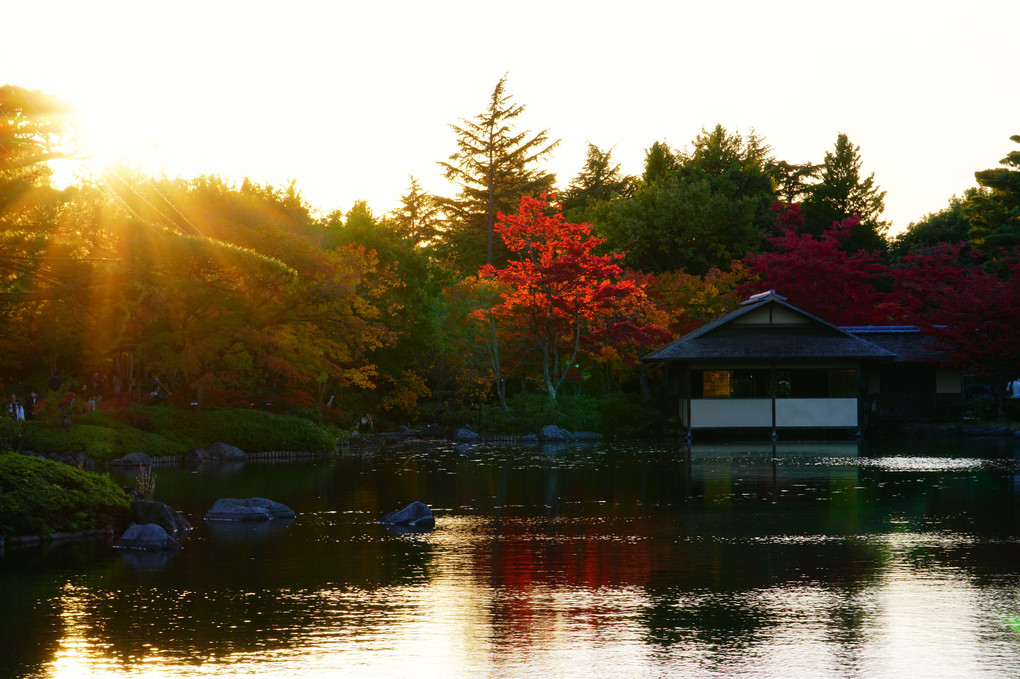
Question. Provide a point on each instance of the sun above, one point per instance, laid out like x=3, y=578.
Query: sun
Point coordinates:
x=108, y=134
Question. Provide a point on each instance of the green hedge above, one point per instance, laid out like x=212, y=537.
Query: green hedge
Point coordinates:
x=98, y=442
x=39, y=497
x=104, y=435
x=249, y=430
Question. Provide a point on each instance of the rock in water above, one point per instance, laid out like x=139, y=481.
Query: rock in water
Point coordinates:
x=251, y=509
x=148, y=537
x=161, y=514
x=414, y=515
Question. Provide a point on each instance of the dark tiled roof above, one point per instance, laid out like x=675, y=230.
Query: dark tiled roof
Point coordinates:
x=770, y=342
x=907, y=342
x=814, y=338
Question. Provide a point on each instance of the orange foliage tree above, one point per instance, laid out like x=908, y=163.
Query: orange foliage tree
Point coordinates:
x=690, y=301
x=559, y=292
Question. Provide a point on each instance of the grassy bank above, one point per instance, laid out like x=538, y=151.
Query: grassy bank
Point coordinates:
x=41, y=497
x=107, y=434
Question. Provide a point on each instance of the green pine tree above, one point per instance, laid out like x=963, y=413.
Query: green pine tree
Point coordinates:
x=494, y=165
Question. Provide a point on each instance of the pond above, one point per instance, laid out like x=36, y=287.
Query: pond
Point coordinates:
x=817, y=560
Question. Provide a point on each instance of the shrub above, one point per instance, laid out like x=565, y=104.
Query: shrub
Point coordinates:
x=618, y=414
x=107, y=434
x=40, y=496
x=12, y=434
x=101, y=443
x=981, y=407
x=628, y=415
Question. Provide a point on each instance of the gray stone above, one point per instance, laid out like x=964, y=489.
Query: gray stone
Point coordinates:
x=226, y=453
x=133, y=492
x=414, y=515
x=161, y=514
x=81, y=460
x=529, y=438
x=149, y=537
x=132, y=460
x=551, y=432
x=588, y=436
x=196, y=456
x=251, y=509
x=465, y=434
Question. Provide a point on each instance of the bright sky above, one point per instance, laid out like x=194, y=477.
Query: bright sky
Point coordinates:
x=350, y=98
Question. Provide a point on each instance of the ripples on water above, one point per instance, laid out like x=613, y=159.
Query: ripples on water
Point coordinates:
x=808, y=560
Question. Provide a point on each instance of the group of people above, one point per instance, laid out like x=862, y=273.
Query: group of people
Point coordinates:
x=22, y=410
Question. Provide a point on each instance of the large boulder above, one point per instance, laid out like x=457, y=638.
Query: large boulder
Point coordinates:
x=551, y=432
x=148, y=537
x=161, y=514
x=250, y=509
x=465, y=434
x=223, y=452
x=414, y=515
x=196, y=456
x=132, y=460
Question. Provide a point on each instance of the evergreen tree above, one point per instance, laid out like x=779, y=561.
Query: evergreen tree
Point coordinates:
x=696, y=211
x=994, y=214
x=947, y=226
x=600, y=180
x=660, y=162
x=841, y=194
x=418, y=216
x=494, y=166
x=793, y=182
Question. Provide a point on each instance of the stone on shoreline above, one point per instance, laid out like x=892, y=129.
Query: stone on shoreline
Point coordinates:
x=132, y=460
x=226, y=453
x=464, y=434
x=196, y=456
x=551, y=432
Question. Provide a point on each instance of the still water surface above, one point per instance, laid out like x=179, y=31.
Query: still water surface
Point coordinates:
x=635, y=560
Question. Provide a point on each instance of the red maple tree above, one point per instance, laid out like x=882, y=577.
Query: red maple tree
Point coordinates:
x=817, y=275
x=972, y=312
x=560, y=292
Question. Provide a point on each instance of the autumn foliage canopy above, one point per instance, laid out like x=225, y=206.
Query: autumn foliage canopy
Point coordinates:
x=561, y=295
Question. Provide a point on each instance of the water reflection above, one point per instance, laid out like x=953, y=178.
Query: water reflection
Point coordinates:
x=732, y=560
x=247, y=531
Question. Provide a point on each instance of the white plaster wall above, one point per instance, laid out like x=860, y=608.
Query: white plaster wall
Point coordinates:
x=731, y=412
x=816, y=412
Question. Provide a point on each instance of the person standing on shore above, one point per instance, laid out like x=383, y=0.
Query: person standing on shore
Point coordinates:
x=17, y=412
